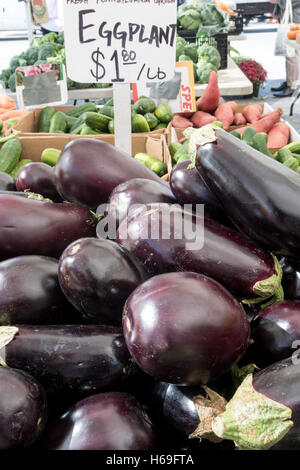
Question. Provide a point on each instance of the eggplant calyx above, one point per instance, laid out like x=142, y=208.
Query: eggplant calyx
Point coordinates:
x=268, y=287
x=252, y=420
x=37, y=197
x=208, y=409
x=238, y=374
x=7, y=334
x=204, y=135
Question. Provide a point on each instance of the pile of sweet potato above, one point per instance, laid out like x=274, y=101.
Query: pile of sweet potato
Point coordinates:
x=209, y=109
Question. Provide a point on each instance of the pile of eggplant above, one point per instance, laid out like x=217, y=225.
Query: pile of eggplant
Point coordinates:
x=128, y=339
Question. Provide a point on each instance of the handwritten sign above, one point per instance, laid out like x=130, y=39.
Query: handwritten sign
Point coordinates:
x=179, y=91
x=120, y=41
x=40, y=85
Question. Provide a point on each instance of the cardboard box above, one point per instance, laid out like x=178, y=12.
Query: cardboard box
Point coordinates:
x=28, y=125
x=156, y=145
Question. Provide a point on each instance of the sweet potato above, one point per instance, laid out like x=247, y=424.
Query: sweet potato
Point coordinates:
x=239, y=119
x=209, y=101
x=278, y=136
x=224, y=114
x=6, y=102
x=266, y=123
x=253, y=112
x=234, y=106
x=181, y=122
x=200, y=118
x=15, y=113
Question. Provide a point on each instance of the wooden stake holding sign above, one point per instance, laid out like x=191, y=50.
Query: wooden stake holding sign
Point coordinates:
x=120, y=42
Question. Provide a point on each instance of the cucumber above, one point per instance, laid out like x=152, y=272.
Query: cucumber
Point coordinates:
x=294, y=147
x=259, y=142
x=248, y=135
x=163, y=113
x=58, y=123
x=292, y=163
x=152, y=120
x=50, y=156
x=83, y=108
x=144, y=105
x=153, y=163
x=98, y=122
x=9, y=155
x=139, y=124
x=70, y=121
x=86, y=130
x=45, y=118
x=159, y=126
x=283, y=155
x=107, y=111
x=19, y=165
x=173, y=147
x=111, y=126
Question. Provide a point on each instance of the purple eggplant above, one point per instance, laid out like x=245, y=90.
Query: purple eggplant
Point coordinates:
x=189, y=188
x=275, y=330
x=192, y=243
x=30, y=292
x=259, y=194
x=72, y=359
x=107, y=421
x=37, y=177
x=23, y=409
x=290, y=279
x=97, y=277
x=31, y=227
x=134, y=192
x=264, y=413
x=184, y=328
x=7, y=182
x=88, y=170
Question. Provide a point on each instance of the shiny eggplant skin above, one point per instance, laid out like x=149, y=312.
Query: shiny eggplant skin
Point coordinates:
x=30, y=227
x=259, y=194
x=274, y=331
x=290, y=279
x=281, y=382
x=23, y=409
x=30, y=292
x=189, y=188
x=88, y=170
x=226, y=256
x=132, y=192
x=184, y=328
x=37, y=177
x=107, y=421
x=74, y=359
x=7, y=182
x=97, y=277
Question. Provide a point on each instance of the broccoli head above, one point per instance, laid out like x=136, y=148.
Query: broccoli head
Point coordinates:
x=14, y=63
x=183, y=58
x=49, y=37
x=31, y=55
x=203, y=71
x=192, y=51
x=46, y=50
x=36, y=42
x=209, y=54
x=80, y=85
x=61, y=38
x=190, y=18
x=40, y=62
x=180, y=45
x=12, y=83
x=70, y=83
x=4, y=77
x=212, y=15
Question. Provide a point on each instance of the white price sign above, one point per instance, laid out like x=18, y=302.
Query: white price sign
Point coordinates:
x=120, y=41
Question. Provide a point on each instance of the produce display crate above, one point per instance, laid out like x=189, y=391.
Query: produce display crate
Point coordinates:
x=237, y=26
x=155, y=144
x=28, y=125
x=219, y=40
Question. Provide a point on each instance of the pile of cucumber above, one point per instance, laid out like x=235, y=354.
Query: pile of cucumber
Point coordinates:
x=86, y=120
x=10, y=154
x=289, y=155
